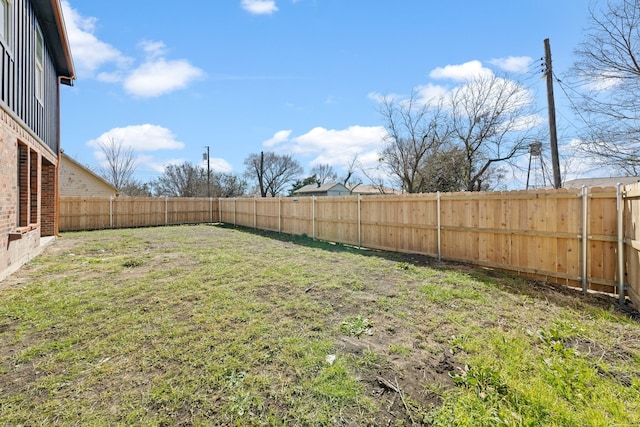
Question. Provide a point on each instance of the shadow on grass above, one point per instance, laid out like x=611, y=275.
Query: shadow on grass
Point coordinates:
x=556, y=294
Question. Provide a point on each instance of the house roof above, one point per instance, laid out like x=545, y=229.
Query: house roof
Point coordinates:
x=600, y=182
x=49, y=13
x=372, y=189
x=324, y=188
x=90, y=172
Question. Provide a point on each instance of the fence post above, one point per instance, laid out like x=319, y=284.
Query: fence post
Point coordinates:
x=111, y=212
x=255, y=213
x=280, y=214
x=585, y=237
x=234, y=212
x=439, y=232
x=313, y=216
x=620, y=207
x=359, y=222
x=211, y=210
x=166, y=210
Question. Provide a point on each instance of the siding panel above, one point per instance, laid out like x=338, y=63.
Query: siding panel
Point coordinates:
x=17, y=88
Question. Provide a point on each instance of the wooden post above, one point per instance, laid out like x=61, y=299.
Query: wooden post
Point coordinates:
x=313, y=216
x=166, y=210
x=553, y=136
x=279, y=214
x=359, y=222
x=111, y=212
x=585, y=237
x=621, y=298
x=439, y=226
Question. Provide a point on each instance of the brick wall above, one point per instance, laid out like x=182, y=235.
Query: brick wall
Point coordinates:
x=48, y=202
x=76, y=180
x=29, y=203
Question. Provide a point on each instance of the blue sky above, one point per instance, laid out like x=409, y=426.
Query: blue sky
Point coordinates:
x=291, y=76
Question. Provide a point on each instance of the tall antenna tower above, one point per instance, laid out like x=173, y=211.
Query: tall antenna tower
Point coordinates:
x=536, y=175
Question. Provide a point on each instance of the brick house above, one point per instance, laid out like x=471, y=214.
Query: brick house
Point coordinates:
x=35, y=61
x=77, y=180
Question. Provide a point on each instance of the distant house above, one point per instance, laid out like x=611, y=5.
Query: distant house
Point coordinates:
x=364, y=190
x=332, y=189
x=77, y=180
x=600, y=182
x=34, y=60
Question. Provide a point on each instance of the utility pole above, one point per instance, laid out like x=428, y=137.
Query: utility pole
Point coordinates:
x=206, y=156
x=553, y=136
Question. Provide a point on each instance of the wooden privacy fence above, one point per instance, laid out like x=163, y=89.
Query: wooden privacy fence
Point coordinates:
x=94, y=213
x=587, y=238
x=584, y=238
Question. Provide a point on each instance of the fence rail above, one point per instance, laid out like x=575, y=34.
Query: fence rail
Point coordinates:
x=587, y=239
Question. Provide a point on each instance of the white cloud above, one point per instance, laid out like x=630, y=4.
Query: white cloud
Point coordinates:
x=513, y=64
x=431, y=94
x=153, y=49
x=154, y=77
x=461, y=72
x=89, y=53
x=141, y=138
x=260, y=7
x=159, y=76
x=277, y=138
x=218, y=164
x=335, y=147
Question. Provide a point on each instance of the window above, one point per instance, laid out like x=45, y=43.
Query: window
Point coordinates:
x=4, y=21
x=39, y=65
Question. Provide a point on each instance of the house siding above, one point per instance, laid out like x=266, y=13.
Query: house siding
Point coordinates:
x=29, y=138
x=77, y=181
x=18, y=93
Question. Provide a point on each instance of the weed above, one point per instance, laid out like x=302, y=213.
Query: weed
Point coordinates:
x=399, y=349
x=356, y=326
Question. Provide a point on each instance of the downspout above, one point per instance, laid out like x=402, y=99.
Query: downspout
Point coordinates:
x=56, y=216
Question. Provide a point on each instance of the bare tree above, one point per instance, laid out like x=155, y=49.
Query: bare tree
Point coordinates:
x=324, y=173
x=190, y=180
x=272, y=171
x=608, y=70
x=120, y=163
x=182, y=180
x=227, y=185
x=351, y=179
x=492, y=121
x=414, y=131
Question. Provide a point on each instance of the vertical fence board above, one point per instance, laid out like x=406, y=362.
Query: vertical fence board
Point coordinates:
x=632, y=242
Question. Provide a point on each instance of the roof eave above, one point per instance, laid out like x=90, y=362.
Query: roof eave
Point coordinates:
x=51, y=19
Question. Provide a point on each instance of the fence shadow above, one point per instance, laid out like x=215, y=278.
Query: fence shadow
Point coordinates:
x=538, y=290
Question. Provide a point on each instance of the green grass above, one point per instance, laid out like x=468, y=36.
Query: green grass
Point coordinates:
x=204, y=325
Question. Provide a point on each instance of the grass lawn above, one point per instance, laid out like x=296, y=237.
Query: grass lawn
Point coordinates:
x=207, y=325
